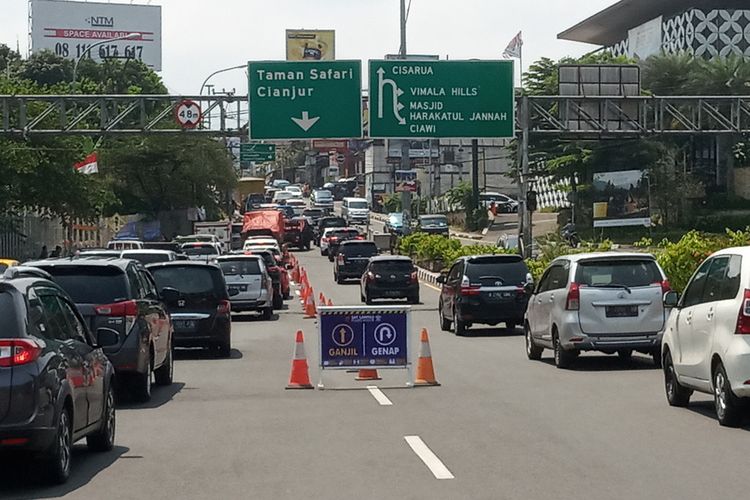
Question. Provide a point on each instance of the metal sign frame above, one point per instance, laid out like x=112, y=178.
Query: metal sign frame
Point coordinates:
x=369, y=310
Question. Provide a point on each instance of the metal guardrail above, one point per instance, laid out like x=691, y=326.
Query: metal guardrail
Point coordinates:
x=565, y=116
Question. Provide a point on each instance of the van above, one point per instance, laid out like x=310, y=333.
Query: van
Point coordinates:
x=355, y=211
x=125, y=245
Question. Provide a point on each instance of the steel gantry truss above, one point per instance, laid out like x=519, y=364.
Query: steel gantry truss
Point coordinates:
x=562, y=116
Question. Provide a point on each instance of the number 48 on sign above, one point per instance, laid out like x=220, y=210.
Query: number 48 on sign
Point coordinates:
x=188, y=113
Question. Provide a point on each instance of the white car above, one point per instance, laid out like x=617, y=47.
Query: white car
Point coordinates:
x=298, y=206
x=607, y=301
x=706, y=344
x=324, y=239
x=295, y=190
x=280, y=197
x=260, y=241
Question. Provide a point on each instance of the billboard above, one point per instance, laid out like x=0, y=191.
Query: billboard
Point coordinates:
x=405, y=180
x=310, y=45
x=621, y=199
x=69, y=29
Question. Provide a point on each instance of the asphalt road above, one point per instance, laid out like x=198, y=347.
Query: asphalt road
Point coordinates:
x=503, y=426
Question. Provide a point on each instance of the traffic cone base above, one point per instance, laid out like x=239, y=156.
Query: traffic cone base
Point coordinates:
x=425, y=371
x=368, y=374
x=299, y=378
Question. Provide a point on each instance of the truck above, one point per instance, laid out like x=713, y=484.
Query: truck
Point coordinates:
x=221, y=229
x=264, y=222
x=250, y=193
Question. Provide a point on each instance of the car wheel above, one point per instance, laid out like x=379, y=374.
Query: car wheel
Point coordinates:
x=330, y=257
x=165, y=373
x=142, y=384
x=625, y=354
x=278, y=301
x=414, y=299
x=323, y=251
x=225, y=349
x=368, y=299
x=459, y=327
x=533, y=351
x=445, y=324
x=510, y=326
x=267, y=313
x=104, y=438
x=676, y=394
x=338, y=279
x=57, y=461
x=728, y=409
x=563, y=358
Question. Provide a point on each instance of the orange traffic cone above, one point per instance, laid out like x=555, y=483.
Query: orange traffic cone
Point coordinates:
x=425, y=371
x=306, y=291
x=367, y=374
x=329, y=304
x=310, y=311
x=321, y=299
x=299, y=377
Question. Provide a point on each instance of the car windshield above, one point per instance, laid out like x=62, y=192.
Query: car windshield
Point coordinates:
x=239, y=266
x=359, y=249
x=627, y=273
x=147, y=258
x=91, y=285
x=357, y=204
x=201, y=250
x=188, y=280
x=434, y=221
x=392, y=266
x=268, y=259
x=490, y=271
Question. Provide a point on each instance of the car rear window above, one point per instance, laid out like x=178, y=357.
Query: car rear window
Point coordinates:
x=187, y=279
x=488, y=271
x=442, y=220
x=338, y=222
x=630, y=273
x=349, y=233
x=201, y=250
x=91, y=285
x=268, y=258
x=357, y=204
x=359, y=250
x=392, y=266
x=8, y=314
x=323, y=194
x=147, y=258
x=239, y=266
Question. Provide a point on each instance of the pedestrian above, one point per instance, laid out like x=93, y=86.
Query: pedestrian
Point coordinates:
x=56, y=253
x=43, y=254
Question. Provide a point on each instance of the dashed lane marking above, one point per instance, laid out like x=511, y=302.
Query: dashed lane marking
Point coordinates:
x=438, y=469
x=379, y=396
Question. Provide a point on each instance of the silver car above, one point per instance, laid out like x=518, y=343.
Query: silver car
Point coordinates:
x=609, y=302
x=248, y=283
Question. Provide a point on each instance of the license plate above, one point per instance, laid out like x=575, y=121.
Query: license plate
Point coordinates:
x=184, y=324
x=499, y=295
x=392, y=293
x=621, y=311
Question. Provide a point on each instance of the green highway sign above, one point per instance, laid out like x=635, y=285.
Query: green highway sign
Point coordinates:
x=305, y=99
x=257, y=152
x=438, y=99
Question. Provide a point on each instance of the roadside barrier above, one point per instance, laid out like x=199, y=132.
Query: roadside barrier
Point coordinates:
x=368, y=374
x=425, y=371
x=299, y=378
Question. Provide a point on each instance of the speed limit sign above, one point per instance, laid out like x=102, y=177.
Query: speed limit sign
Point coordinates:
x=188, y=114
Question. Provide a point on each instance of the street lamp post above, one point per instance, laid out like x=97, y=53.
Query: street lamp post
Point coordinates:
x=203, y=85
x=129, y=36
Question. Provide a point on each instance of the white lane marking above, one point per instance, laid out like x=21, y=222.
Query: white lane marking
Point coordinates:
x=438, y=469
x=379, y=396
x=431, y=286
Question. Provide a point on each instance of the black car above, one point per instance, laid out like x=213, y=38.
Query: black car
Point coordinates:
x=390, y=277
x=298, y=232
x=433, y=224
x=314, y=214
x=337, y=237
x=352, y=258
x=56, y=384
x=198, y=302
x=121, y=295
x=487, y=289
x=326, y=222
x=274, y=270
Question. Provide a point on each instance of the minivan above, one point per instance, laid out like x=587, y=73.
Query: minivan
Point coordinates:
x=355, y=211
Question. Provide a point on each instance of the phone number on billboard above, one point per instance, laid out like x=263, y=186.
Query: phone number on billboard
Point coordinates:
x=105, y=51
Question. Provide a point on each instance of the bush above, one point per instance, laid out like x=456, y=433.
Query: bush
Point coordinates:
x=438, y=252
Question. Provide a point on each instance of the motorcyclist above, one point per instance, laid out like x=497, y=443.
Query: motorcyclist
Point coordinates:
x=568, y=232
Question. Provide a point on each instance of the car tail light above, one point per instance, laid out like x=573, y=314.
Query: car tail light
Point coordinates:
x=413, y=277
x=743, y=318
x=359, y=238
x=665, y=286
x=370, y=276
x=324, y=238
x=467, y=288
x=127, y=309
x=574, y=297
x=340, y=259
x=224, y=307
x=18, y=352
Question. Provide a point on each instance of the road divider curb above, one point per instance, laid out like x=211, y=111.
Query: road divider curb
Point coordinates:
x=427, y=276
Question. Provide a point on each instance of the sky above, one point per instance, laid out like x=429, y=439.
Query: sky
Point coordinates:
x=202, y=36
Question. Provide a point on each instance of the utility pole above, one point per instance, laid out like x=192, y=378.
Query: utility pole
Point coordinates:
x=525, y=226
x=474, y=174
x=405, y=160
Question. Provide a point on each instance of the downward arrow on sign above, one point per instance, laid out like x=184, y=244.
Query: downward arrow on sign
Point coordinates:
x=306, y=122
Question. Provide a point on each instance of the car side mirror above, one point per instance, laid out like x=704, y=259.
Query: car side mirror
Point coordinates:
x=442, y=279
x=106, y=337
x=233, y=291
x=671, y=298
x=170, y=294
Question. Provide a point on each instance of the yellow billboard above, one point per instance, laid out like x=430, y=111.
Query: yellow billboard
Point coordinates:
x=310, y=45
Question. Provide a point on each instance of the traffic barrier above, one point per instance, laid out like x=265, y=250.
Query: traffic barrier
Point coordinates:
x=425, y=370
x=367, y=374
x=310, y=311
x=299, y=378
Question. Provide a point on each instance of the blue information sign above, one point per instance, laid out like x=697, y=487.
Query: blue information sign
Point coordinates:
x=364, y=337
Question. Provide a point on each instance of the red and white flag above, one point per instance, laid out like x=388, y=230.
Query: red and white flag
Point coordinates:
x=514, y=47
x=89, y=165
